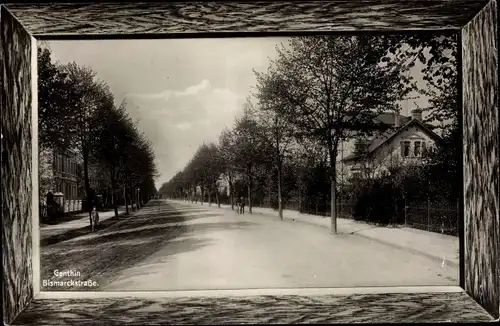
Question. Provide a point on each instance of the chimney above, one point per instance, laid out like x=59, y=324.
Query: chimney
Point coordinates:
x=416, y=114
x=397, y=120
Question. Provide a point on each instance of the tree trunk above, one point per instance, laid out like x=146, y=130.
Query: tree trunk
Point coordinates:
x=125, y=199
x=280, y=204
x=249, y=194
x=86, y=172
x=202, y=194
x=86, y=180
x=269, y=192
x=231, y=195
x=130, y=197
x=209, y=197
x=333, y=187
x=300, y=195
x=113, y=193
x=217, y=198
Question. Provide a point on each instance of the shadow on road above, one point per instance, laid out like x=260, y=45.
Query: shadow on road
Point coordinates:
x=100, y=256
x=173, y=216
x=61, y=220
x=75, y=233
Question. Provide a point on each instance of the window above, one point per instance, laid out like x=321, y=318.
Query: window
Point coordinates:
x=405, y=148
x=417, y=150
x=424, y=148
x=356, y=174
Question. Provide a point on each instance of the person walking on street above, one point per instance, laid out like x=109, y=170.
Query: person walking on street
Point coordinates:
x=91, y=205
x=238, y=210
x=242, y=205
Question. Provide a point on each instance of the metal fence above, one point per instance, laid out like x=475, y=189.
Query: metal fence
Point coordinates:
x=72, y=205
x=69, y=206
x=420, y=213
x=435, y=216
x=438, y=216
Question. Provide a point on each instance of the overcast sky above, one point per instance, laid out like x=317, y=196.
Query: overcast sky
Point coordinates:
x=183, y=92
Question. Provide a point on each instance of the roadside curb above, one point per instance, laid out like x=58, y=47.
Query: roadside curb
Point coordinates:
x=356, y=233
x=387, y=243
x=412, y=250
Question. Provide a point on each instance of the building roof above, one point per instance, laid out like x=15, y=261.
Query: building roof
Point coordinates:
x=389, y=134
x=389, y=118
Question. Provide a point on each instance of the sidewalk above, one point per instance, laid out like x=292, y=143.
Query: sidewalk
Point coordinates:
x=441, y=247
x=48, y=230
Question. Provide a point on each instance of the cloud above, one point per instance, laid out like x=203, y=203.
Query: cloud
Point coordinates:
x=183, y=126
x=178, y=121
x=169, y=93
x=193, y=90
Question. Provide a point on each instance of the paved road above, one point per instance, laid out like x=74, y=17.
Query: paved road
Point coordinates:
x=184, y=246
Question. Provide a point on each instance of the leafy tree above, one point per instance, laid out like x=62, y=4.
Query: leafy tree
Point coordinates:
x=205, y=170
x=279, y=131
x=77, y=114
x=214, y=170
x=227, y=160
x=331, y=86
x=116, y=132
x=54, y=92
x=250, y=145
x=197, y=170
x=139, y=164
x=438, y=53
x=90, y=100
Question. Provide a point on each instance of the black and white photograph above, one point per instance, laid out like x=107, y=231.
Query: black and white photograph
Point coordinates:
x=249, y=163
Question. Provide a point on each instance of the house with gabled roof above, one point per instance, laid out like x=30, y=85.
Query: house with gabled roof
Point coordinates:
x=405, y=141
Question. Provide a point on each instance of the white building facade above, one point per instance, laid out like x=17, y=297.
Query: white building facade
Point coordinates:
x=400, y=145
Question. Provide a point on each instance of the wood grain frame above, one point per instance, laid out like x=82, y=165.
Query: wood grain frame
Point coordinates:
x=474, y=21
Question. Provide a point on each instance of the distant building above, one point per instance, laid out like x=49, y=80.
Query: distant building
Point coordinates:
x=59, y=172
x=66, y=177
x=62, y=174
x=405, y=141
